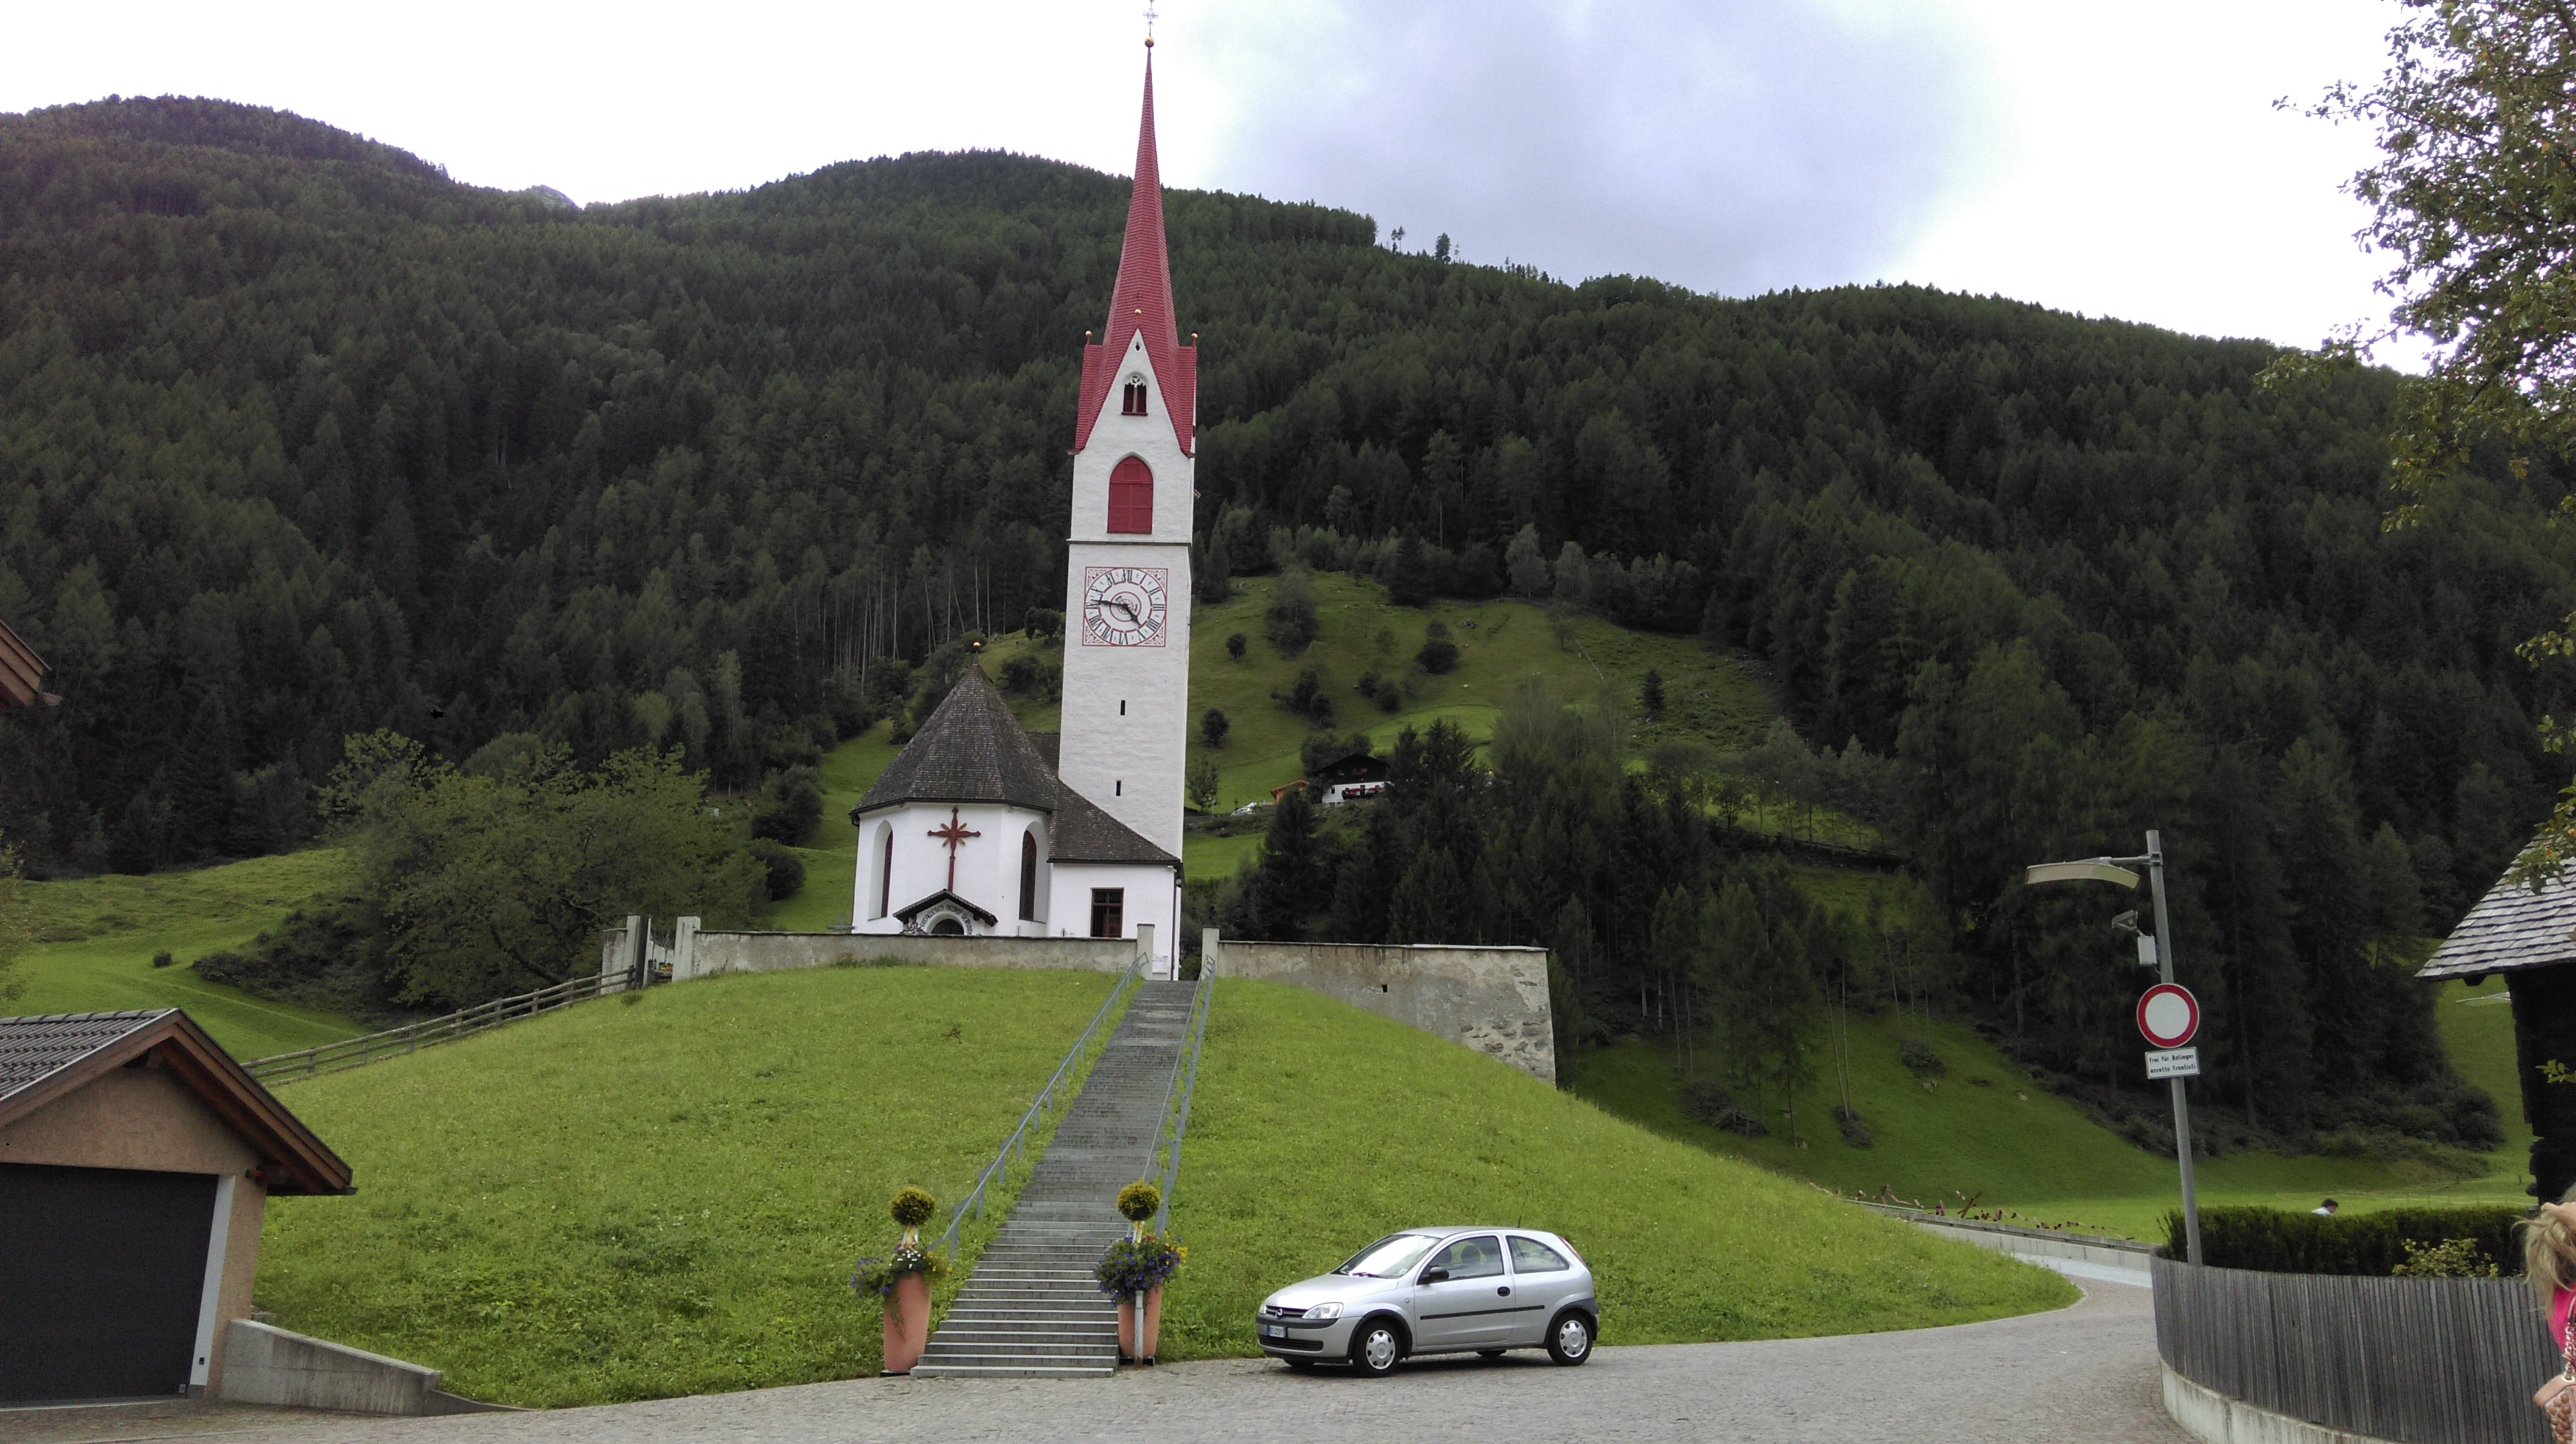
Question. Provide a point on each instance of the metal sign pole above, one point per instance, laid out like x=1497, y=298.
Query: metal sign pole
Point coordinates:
x=2181, y=1104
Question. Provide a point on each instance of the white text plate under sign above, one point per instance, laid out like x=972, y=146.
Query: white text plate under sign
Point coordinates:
x=2174, y=1063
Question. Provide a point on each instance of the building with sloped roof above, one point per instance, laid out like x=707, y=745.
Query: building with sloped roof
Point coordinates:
x=22, y=674
x=136, y=1161
x=971, y=832
x=2526, y=937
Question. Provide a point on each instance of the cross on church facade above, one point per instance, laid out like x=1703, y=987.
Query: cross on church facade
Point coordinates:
x=954, y=834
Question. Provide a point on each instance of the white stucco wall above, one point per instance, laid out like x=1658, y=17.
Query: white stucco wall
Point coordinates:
x=988, y=866
x=1130, y=762
x=1153, y=898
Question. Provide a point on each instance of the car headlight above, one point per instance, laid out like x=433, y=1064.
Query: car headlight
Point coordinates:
x=1324, y=1311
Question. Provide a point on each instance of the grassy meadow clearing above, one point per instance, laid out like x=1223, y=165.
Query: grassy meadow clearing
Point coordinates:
x=661, y=1193
x=1985, y=1132
x=99, y=935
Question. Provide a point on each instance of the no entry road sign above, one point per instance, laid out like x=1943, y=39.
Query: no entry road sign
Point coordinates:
x=2168, y=1015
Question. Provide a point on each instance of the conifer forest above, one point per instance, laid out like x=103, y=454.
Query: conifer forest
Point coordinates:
x=301, y=439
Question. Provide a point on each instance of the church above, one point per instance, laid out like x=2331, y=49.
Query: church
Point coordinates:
x=981, y=828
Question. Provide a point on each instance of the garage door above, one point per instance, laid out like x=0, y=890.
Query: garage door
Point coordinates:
x=100, y=1270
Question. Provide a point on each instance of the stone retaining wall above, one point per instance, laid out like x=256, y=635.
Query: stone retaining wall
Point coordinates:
x=698, y=953
x=1493, y=1000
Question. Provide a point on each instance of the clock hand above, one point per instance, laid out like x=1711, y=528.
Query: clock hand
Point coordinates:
x=1124, y=607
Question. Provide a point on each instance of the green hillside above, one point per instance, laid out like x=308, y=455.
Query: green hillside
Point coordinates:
x=631, y=1200
x=1984, y=1132
x=100, y=935
x=1709, y=695
x=1318, y=1127
x=661, y=1194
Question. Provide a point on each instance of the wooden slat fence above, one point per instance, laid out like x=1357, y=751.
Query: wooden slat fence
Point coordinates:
x=2415, y=1361
x=412, y=1037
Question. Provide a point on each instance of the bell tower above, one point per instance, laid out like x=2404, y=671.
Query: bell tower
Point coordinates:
x=1127, y=593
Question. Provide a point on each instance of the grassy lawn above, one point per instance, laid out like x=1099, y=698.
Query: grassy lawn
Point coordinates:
x=100, y=935
x=2010, y=1144
x=1318, y=1127
x=660, y=1194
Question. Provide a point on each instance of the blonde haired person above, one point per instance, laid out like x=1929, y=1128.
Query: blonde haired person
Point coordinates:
x=2549, y=1262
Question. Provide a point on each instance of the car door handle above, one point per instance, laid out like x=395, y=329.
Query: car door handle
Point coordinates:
x=1505, y=1289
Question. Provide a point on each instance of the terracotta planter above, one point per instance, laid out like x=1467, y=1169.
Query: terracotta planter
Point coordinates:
x=1131, y=1348
x=907, y=1323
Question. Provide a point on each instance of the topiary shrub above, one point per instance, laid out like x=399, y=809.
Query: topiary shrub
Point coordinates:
x=913, y=1206
x=2375, y=1245
x=1138, y=1201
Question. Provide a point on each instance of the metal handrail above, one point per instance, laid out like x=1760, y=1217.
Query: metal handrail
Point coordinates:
x=1019, y=1138
x=1202, y=1002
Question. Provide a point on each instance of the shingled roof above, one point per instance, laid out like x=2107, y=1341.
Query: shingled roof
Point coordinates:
x=45, y=1057
x=970, y=750
x=2510, y=930
x=1084, y=833
x=22, y=673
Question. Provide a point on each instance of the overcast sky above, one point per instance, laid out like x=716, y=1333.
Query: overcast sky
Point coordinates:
x=2114, y=157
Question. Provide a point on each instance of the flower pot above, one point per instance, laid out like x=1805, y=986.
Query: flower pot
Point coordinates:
x=1135, y=1343
x=907, y=1323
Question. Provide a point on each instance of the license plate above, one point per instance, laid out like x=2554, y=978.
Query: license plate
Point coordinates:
x=1273, y=1331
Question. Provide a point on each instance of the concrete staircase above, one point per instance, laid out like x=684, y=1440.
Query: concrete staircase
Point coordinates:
x=1031, y=1306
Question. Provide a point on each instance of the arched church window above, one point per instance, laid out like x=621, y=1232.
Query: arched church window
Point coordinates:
x=1131, y=496
x=885, y=869
x=1029, y=876
x=1132, y=403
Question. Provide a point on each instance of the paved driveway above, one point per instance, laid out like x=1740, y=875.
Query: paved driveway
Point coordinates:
x=2086, y=1375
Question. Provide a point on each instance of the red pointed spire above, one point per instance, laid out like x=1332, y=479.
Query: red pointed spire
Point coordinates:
x=1142, y=301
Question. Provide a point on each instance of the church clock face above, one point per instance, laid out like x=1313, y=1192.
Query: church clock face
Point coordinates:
x=1125, y=606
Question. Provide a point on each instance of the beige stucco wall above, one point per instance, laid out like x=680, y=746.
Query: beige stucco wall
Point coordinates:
x=1493, y=1000
x=137, y=1117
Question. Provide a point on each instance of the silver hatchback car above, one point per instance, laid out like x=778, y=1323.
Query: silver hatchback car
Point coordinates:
x=1438, y=1291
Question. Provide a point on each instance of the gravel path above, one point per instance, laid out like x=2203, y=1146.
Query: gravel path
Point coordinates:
x=2086, y=1374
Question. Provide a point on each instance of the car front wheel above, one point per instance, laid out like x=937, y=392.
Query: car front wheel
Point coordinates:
x=1377, y=1348
x=1569, y=1339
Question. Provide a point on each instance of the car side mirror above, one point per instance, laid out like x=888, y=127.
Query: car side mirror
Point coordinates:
x=1435, y=1276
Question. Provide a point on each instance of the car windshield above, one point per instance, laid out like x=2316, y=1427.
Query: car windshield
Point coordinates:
x=1388, y=1256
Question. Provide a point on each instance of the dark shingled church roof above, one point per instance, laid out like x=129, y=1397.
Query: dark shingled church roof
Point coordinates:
x=2512, y=928
x=1084, y=833
x=970, y=750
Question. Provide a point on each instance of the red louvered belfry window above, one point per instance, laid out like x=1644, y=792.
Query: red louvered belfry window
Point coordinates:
x=1131, y=496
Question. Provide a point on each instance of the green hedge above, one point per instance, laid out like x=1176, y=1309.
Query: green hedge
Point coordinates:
x=2373, y=1244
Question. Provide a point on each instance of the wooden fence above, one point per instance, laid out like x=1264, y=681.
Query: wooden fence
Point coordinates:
x=411, y=1037
x=2415, y=1361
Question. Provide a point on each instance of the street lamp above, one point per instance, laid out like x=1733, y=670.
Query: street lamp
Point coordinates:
x=2118, y=870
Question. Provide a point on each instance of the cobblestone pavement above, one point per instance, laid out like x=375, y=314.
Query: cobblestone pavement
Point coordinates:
x=2086, y=1375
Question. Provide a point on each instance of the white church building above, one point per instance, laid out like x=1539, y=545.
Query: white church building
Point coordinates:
x=981, y=828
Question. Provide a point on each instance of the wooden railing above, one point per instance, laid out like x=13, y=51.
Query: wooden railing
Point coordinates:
x=2414, y=1360
x=412, y=1037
